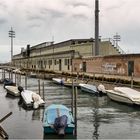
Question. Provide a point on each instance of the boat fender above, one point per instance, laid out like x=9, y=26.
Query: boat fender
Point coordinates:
x=35, y=105
x=101, y=88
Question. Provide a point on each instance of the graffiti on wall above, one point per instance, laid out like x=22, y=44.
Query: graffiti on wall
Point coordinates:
x=109, y=67
x=113, y=68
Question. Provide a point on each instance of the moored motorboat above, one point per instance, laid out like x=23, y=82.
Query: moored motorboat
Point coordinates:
x=89, y=88
x=58, y=80
x=68, y=82
x=124, y=95
x=31, y=99
x=12, y=90
x=100, y=90
x=58, y=119
x=8, y=82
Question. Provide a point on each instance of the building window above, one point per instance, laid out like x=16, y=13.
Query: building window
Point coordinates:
x=50, y=62
x=70, y=61
x=66, y=61
x=55, y=62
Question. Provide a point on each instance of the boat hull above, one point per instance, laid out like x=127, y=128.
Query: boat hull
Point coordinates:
x=27, y=99
x=88, y=88
x=54, y=112
x=49, y=130
x=12, y=90
x=119, y=98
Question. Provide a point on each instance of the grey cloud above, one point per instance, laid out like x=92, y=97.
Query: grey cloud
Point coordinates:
x=53, y=13
x=3, y=5
x=81, y=16
x=43, y=14
x=118, y=6
x=34, y=26
x=79, y=4
x=2, y=21
x=35, y=17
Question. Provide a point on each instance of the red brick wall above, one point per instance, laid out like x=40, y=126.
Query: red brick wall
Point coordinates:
x=117, y=64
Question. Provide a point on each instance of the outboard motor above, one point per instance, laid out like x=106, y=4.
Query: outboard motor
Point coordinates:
x=20, y=89
x=20, y=99
x=60, y=124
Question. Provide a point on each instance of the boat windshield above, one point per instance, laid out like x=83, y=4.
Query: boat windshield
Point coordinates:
x=53, y=113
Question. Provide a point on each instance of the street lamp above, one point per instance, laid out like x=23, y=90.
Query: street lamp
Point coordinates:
x=11, y=35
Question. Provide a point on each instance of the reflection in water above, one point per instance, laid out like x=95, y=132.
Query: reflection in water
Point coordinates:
x=54, y=136
x=37, y=114
x=96, y=119
x=98, y=102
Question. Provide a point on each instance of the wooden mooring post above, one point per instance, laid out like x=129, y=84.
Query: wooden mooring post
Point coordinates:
x=26, y=81
x=4, y=74
x=15, y=77
x=132, y=80
x=43, y=91
x=72, y=97
x=9, y=74
x=93, y=77
x=75, y=105
x=39, y=86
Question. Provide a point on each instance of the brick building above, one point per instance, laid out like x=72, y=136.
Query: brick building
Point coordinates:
x=124, y=64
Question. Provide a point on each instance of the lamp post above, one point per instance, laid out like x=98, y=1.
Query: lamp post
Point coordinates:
x=11, y=35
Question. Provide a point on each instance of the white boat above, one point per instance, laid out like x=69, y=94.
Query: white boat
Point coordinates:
x=57, y=80
x=33, y=75
x=13, y=90
x=31, y=99
x=66, y=82
x=124, y=95
x=88, y=88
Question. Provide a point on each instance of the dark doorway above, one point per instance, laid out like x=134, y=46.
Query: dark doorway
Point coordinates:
x=84, y=66
x=60, y=65
x=130, y=67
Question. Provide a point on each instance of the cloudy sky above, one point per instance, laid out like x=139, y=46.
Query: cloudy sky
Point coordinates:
x=37, y=21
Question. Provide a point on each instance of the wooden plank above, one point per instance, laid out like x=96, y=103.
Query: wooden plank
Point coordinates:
x=5, y=117
x=3, y=133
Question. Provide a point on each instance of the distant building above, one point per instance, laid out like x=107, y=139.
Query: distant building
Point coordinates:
x=58, y=57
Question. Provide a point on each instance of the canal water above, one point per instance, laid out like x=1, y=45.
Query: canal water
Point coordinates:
x=98, y=117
